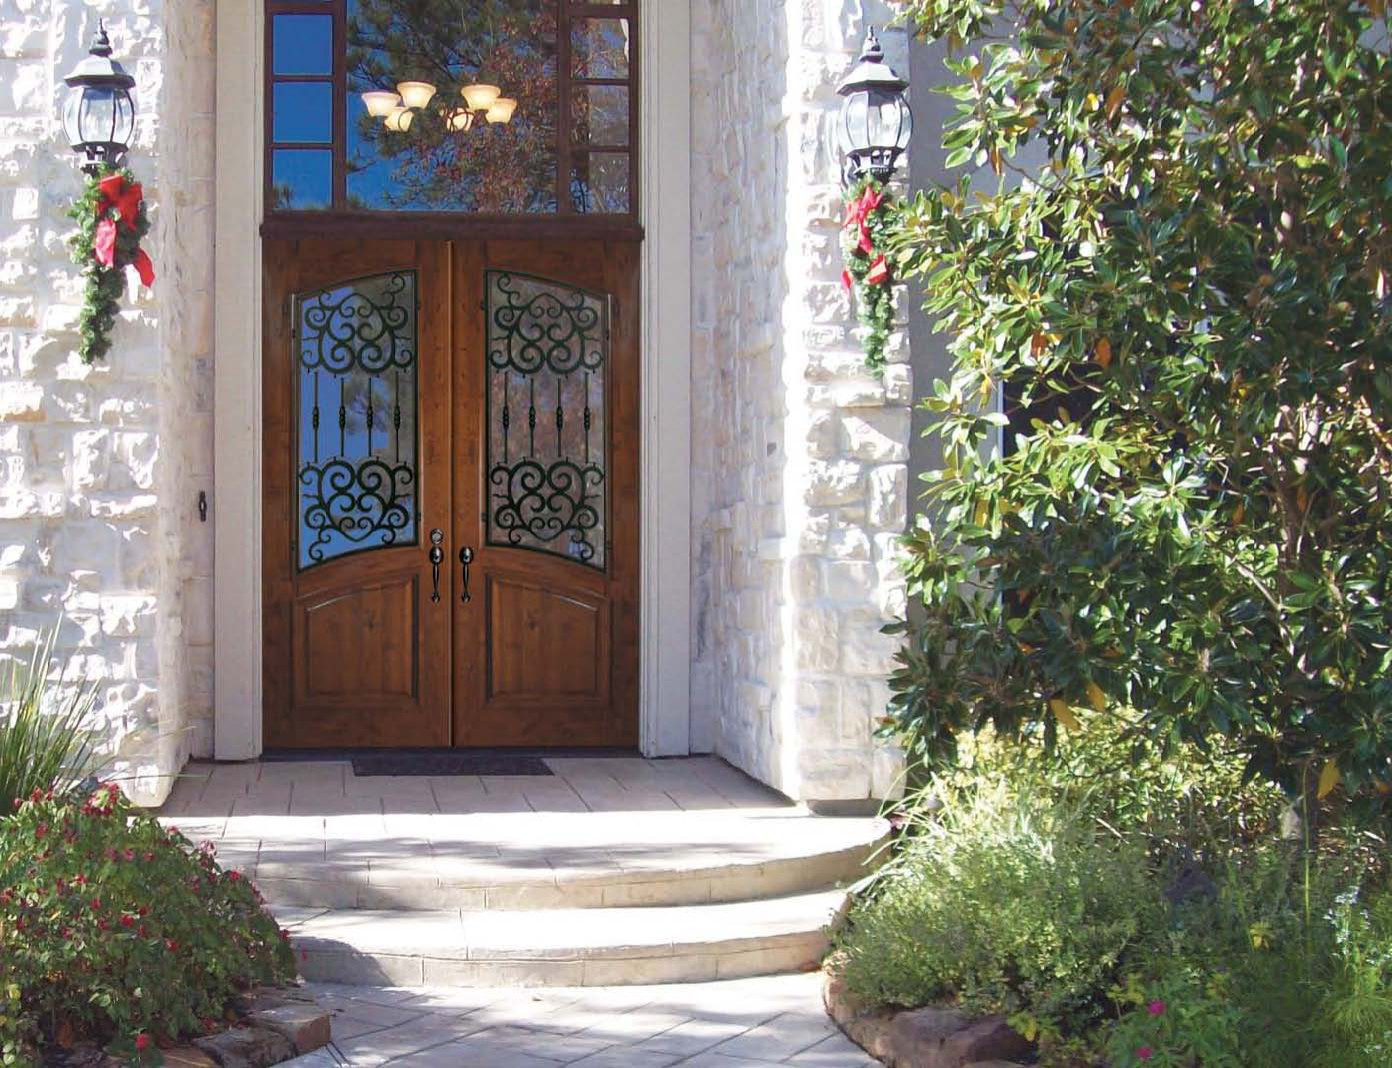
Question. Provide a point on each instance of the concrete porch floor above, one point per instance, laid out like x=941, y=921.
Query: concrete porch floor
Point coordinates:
x=600, y=831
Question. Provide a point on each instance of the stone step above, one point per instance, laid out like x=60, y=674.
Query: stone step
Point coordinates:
x=568, y=861
x=563, y=947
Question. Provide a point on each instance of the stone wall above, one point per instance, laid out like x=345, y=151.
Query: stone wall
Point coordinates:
x=800, y=477
x=100, y=464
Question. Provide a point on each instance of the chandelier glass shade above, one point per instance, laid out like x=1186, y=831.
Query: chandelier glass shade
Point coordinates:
x=398, y=109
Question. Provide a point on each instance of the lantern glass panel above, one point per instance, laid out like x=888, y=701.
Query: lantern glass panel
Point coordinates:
x=97, y=115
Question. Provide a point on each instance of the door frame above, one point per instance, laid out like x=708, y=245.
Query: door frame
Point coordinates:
x=664, y=701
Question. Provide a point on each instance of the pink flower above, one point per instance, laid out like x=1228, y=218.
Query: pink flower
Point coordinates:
x=1144, y=1053
x=1156, y=1008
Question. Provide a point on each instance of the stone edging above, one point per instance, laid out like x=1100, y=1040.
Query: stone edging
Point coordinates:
x=276, y=1024
x=932, y=1037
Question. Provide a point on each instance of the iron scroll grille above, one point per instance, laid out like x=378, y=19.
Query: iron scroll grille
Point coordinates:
x=548, y=355
x=355, y=344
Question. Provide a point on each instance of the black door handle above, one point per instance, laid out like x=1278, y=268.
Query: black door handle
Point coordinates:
x=466, y=557
x=437, y=557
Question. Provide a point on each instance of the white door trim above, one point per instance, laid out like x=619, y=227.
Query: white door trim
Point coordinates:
x=665, y=641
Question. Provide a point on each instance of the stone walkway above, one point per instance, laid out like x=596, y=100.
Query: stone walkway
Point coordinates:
x=742, y=1023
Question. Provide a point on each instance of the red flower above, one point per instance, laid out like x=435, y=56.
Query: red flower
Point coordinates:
x=127, y=920
x=1156, y=1008
x=1144, y=1053
x=233, y=875
x=171, y=945
x=96, y=903
x=104, y=248
x=142, y=1041
x=879, y=272
x=41, y=830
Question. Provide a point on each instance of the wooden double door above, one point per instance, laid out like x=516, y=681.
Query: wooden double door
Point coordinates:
x=451, y=493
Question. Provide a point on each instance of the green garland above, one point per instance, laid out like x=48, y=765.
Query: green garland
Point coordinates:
x=870, y=214
x=105, y=283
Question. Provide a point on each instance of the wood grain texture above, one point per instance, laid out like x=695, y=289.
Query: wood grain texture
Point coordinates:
x=546, y=651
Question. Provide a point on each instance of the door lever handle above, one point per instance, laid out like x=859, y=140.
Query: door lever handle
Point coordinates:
x=466, y=557
x=437, y=557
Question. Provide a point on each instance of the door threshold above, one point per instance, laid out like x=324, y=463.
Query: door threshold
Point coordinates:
x=345, y=755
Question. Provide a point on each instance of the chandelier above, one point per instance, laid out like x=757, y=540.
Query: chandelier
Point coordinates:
x=398, y=109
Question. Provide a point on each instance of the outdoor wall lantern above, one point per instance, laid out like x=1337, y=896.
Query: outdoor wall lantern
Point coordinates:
x=99, y=115
x=875, y=122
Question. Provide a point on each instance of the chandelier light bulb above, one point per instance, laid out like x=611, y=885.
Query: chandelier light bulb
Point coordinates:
x=381, y=103
x=399, y=119
x=481, y=97
x=415, y=94
x=501, y=109
x=462, y=119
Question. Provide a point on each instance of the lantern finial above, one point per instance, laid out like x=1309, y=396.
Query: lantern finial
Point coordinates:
x=101, y=43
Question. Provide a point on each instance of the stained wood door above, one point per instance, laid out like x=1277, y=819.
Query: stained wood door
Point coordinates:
x=429, y=404
x=546, y=475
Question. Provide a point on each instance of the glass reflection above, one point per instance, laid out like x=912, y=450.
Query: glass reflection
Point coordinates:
x=433, y=165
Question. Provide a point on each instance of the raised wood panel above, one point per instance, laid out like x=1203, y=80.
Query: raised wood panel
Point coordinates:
x=545, y=645
x=360, y=645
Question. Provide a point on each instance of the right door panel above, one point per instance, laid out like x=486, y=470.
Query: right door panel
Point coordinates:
x=545, y=442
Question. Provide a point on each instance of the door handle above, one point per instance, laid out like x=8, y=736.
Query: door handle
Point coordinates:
x=437, y=557
x=466, y=557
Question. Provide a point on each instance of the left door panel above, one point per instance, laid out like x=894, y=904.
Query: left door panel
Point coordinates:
x=356, y=396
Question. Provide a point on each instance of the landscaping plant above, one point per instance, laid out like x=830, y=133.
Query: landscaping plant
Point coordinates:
x=1189, y=295
x=44, y=743
x=116, y=930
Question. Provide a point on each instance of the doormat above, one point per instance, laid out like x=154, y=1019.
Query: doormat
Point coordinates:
x=446, y=764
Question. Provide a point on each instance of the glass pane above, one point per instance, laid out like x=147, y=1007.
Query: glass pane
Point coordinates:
x=599, y=48
x=599, y=183
x=433, y=165
x=601, y=114
x=356, y=416
x=303, y=112
x=301, y=179
x=547, y=439
x=302, y=44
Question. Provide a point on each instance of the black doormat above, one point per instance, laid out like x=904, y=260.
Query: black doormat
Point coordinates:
x=444, y=764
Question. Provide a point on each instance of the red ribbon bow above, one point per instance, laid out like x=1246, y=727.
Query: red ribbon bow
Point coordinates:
x=858, y=213
x=126, y=199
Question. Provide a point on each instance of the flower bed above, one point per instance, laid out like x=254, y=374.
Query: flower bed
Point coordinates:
x=117, y=931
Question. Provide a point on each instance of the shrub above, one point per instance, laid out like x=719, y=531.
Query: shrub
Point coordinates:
x=1190, y=295
x=113, y=928
x=43, y=743
x=1007, y=901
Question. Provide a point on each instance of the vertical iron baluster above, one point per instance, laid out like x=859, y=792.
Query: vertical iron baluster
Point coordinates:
x=587, y=418
x=531, y=416
x=371, y=412
x=396, y=416
x=342, y=417
x=314, y=419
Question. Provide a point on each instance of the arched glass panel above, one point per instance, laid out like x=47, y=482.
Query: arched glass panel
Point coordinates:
x=356, y=414
x=548, y=354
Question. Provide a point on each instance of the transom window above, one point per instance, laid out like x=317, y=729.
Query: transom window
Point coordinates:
x=466, y=107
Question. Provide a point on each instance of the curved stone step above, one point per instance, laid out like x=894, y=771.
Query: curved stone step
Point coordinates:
x=577, y=861
x=563, y=947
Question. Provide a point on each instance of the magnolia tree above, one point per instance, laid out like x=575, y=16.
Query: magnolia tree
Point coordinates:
x=1182, y=511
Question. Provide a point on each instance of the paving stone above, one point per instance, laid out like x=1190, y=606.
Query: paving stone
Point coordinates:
x=246, y=1047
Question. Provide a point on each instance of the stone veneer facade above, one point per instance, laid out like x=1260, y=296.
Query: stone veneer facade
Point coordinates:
x=800, y=454
x=102, y=465
x=799, y=476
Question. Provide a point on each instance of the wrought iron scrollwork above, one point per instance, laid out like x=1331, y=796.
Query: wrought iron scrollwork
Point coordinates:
x=547, y=355
x=352, y=327
x=356, y=346
x=547, y=502
x=367, y=503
